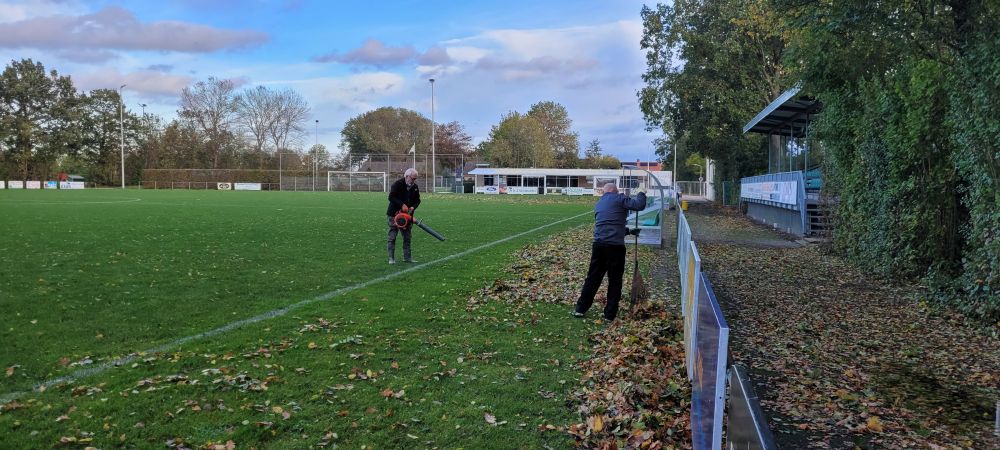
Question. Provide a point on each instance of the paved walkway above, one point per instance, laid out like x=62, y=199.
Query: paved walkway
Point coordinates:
x=842, y=358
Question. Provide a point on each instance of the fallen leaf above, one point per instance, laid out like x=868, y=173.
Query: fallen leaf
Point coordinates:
x=490, y=419
x=875, y=424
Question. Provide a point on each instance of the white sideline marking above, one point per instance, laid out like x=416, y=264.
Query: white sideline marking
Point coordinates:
x=31, y=202
x=5, y=398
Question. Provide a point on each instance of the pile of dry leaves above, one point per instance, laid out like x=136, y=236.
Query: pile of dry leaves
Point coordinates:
x=633, y=392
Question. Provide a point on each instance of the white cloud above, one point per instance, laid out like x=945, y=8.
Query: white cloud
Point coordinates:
x=118, y=29
x=466, y=54
x=357, y=92
x=373, y=53
x=16, y=10
x=148, y=83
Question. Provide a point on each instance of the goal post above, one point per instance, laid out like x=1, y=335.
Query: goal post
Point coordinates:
x=346, y=181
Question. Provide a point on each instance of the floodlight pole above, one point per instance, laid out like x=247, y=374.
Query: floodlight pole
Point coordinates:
x=121, y=127
x=675, y=167
x=315, y=151
x=433, y=126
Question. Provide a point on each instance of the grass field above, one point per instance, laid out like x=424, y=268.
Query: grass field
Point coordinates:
x=368, y=354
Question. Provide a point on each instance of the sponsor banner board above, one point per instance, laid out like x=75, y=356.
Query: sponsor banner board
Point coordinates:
x=785, y=192
x=746, y=425
x=16, y=184
x=224, y=186
x=246, y=186
x=690, y=302
x=76, y=185
x=3, y=184
x=51, y=185
x=34, y=184
x=578, y=191
x=65, y=185
x=708, y=388
x=488, y=190
x=522, y=190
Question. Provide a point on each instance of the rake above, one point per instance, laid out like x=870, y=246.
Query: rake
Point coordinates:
x=638, y=291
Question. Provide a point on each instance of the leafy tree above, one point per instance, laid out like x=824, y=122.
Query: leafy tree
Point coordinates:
x=909, y=136
x=596, y=159
x=558, y=128
x=518, y=141
x=452, y=139
x=386, y=130
x=711, y=66
x=695, y=164
x=102, y=125
x=37, y=112
x=593, y=150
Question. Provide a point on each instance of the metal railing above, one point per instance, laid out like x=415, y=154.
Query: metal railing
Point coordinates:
x=706, y=346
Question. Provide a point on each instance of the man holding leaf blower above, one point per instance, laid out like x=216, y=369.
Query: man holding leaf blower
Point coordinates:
x=608, y=250
x=404, y=193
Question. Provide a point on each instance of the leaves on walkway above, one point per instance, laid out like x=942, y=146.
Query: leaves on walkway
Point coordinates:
x=854, y=359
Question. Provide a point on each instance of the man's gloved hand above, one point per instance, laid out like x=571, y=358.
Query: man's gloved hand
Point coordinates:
x=632, y=231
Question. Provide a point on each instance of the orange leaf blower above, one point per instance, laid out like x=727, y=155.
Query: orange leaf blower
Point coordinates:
x=404, y=218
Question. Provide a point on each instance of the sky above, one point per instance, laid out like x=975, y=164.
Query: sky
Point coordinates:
x=347, y=57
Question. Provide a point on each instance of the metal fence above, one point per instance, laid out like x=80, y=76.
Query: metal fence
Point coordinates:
x=692, y=188
x=706, y=346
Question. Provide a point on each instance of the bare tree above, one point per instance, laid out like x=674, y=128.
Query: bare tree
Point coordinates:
x=289, y=124
x=258, y=112
x=211, y=105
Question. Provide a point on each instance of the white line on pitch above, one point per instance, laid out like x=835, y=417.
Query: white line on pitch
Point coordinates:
x=267, y=315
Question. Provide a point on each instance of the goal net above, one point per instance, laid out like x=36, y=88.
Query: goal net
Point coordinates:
x=356, y=181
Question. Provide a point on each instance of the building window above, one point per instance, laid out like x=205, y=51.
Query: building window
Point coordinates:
x=628, y=182
x=488, y=180
x=513, y=180
x=532, y=181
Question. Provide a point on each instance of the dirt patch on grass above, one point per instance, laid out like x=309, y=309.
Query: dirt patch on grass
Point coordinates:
x=844, y=359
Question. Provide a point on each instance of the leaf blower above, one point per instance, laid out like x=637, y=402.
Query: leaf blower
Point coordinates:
x=404, y=218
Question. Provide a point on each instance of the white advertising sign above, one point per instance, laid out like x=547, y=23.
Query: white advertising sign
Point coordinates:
x=488, y=190
x=224, y=186
x=76, y=185
x=522, y=190
x=65, y=185
x=33, y=185
x=247, y=186
x=51, y=185
x=578, y=191
x=774, y=191
x=16, y=184
x=3, y=184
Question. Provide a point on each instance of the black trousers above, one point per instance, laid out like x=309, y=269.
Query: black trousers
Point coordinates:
x=604, y=259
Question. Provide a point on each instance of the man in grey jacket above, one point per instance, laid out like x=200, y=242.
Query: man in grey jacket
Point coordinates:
x=608, y=250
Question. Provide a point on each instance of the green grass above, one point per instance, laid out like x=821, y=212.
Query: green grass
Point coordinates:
x=96, y=274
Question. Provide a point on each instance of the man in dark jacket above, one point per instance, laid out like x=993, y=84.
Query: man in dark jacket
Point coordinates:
x=608, y=250
x=403, y=192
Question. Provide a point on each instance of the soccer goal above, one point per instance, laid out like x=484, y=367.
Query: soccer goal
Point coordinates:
x=356, y=181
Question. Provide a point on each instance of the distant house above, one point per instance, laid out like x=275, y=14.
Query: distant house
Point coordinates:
x=652, y=166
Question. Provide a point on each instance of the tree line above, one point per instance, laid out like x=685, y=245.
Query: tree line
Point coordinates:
x=47, y=126
x=908, y=134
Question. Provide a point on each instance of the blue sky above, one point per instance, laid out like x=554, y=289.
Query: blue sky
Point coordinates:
x=348, y=57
